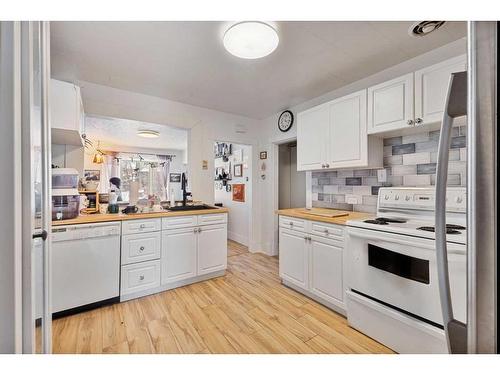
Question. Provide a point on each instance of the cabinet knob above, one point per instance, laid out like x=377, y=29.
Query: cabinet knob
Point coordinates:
x=141, y=277
x=327, y=165
x=322, y=166
x=410, y=122
x=195, y=230
x=291, y=224
x=419, y=121
x=326, y=231
x=142, y=226
x=141, y=248
x=199, y=230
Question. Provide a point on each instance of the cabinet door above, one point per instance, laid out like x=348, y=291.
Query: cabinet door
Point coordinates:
x=327, y=269
x=313, y=127
x=212, y=248
x=178, y=254
x=431, y=87
x=293, y=257
x=348, y=141
x=390, y=105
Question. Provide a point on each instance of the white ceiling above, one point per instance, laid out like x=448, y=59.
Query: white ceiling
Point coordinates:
x=186, y=61
x=115, y=134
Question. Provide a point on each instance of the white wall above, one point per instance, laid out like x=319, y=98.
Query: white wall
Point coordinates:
x=239, y=212
x=271, y=136
x=206, y=126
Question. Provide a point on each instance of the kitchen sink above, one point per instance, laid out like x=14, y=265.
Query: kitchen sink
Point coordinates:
x=192, y=208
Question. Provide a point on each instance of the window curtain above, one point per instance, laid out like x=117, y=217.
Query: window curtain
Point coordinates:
x=163, y=170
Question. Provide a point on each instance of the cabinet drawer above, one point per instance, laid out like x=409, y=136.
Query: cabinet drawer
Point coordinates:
x=332, y=231
x=141, y=226
x=140, y=276
x=141, y=247
x=292, y=223
x=179, y=222
x=212, y=219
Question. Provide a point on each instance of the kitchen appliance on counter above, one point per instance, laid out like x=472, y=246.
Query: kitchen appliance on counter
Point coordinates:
x=393, y=292
x=65, y=195
x=85, y=265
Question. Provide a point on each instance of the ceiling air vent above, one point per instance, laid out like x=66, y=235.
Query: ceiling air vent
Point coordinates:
x=424, y=28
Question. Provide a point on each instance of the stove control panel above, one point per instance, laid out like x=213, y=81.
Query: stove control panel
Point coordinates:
x=421, y=198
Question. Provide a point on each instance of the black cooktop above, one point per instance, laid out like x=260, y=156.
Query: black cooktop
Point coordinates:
x=450, y=229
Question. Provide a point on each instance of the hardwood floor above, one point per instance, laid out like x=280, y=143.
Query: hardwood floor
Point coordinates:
x=245, y=311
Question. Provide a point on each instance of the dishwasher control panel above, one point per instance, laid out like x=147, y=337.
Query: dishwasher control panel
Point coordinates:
x=83, y=231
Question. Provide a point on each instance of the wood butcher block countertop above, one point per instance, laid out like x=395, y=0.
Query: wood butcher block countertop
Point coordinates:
x=100, y=218
x=304, y=213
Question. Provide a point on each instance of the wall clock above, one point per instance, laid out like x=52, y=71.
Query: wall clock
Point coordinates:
x=285, y=121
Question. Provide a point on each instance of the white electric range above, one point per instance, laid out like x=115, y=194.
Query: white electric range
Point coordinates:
x=392, y=287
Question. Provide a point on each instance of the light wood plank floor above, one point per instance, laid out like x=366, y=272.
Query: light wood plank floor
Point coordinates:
x=245, y=311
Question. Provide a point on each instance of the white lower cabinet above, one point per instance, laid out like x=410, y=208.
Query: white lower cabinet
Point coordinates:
x=314, y=263
x=212, y=249
x=326, y=263
x=293, y=264
x=192, y=253
x=178, y=256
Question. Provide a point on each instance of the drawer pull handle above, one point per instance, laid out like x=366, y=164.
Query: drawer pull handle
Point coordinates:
x=141, y=277
x=142, y=226
x=141, y=249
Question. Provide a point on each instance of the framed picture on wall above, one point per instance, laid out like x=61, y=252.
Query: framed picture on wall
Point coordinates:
x=238, y=192
x=175, y=177
x=92, y=175
x=238, y=170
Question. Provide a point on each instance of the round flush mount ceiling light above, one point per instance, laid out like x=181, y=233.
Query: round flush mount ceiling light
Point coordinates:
x=424, y=28
x=251, y=39
x=148, y=134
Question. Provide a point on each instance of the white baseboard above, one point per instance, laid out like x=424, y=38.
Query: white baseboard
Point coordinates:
x=237, y=237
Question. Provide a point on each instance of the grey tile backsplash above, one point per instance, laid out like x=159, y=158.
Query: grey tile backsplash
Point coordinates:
x=410, y=160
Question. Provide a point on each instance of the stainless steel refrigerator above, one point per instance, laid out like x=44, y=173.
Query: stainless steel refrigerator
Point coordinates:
x=473, y=93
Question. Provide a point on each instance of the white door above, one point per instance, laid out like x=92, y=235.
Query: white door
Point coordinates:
x=212, y=248
x=293, y=262
x=390, y=105
x=348, y=144
x=312, y=138
x=327, y=269
x=178, y=254
x=431, y=87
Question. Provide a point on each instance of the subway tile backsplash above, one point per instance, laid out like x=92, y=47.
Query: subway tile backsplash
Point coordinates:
x=410, y=160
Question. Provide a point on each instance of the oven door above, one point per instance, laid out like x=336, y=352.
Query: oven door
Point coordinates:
x=400, y=271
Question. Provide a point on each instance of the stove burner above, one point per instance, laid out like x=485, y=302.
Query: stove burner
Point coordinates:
x=376, y=221
x=448, y=229
x=454, y=226
x=389, y=220
x=384, y=221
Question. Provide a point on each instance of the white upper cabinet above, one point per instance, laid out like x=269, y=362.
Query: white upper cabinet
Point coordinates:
x=66, y=113
x=334, y=135
x=431, y=87
x=390, y=105
x=313, y=127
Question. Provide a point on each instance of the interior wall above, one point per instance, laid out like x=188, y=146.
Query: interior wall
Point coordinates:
x=205, y=127
x=271, y=136
x=292, y=183
x=239, y=212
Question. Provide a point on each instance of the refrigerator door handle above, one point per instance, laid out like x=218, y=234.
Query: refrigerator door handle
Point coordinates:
x=46, y=184
x=456, y=105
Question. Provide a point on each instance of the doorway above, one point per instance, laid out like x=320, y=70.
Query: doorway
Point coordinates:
x=291, y=183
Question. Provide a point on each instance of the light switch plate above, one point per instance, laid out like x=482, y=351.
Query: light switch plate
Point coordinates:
x=353, y=199
x=382, y=175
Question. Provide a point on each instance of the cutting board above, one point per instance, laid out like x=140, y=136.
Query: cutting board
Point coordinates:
x=325, y=212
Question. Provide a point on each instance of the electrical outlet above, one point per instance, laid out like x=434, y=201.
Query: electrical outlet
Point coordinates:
x=382, y=175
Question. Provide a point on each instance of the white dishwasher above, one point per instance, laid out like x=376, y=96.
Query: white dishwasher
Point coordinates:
x=85, y=264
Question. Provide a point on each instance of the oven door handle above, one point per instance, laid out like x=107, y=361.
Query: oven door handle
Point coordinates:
x=456, y=105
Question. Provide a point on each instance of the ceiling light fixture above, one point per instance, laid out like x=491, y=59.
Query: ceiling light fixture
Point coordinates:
x=424, y=28
x=251, y=39
x=148, y=134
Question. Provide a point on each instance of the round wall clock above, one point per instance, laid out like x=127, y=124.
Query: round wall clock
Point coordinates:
x=285, y=121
